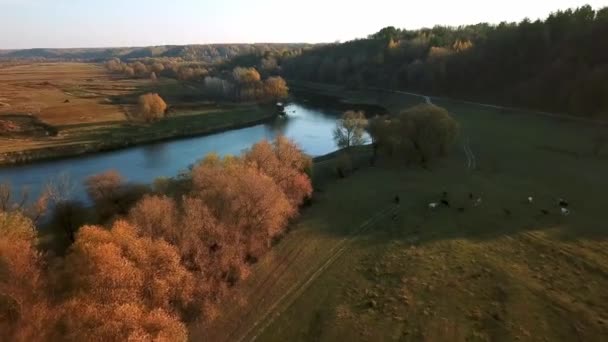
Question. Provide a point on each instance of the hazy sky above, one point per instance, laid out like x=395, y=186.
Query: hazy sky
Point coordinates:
x=102, y=23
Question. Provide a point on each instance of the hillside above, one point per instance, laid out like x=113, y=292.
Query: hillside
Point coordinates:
x=207, y=53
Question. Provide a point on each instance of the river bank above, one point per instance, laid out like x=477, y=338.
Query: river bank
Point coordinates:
x=124, y=135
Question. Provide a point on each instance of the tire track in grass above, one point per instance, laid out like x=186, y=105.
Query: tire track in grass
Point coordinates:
x=294, y=292
x=272, y=275
x=471, y=159
x=262, y=290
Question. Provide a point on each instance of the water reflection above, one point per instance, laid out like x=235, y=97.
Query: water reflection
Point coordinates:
x=310, y=126
x=155, y=156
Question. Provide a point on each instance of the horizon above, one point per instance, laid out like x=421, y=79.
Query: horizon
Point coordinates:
x=192, y=23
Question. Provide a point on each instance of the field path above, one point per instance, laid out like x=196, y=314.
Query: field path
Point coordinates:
x=279, y=281
x=427, y=99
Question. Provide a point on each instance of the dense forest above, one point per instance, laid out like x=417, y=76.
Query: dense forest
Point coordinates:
x=559, y=64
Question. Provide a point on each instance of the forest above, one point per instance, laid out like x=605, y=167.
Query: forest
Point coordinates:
x=556, y=65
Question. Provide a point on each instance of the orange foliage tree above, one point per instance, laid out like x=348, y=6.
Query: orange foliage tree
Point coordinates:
x=25, y=310
x=285, y=163
x=276, y=88
x=152, y=107
x=241, y=196
x=207, y=248
x=123, y=286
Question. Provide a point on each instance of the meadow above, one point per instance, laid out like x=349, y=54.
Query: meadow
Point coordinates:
x=63, y=109
x=357, y=266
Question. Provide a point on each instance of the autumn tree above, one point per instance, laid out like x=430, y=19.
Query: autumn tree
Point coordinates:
x=350, y=129
x=140, y=68
x=246, y=75
x=152, y=107
x=86, y=321
x=241, y=196
x=208, y=249
x=104, y=186
x=129, y=71
x=26, y=313
x=120, y=286
x=286, y=164
x=275, y=88
x=157, y=67
x=114, y=65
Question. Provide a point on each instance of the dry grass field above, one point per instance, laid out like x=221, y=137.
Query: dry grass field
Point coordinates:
x=61, y=109
x=60, y=95
x=63, y=93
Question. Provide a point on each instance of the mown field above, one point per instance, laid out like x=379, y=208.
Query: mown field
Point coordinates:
x=71, y=108
x=358, y=267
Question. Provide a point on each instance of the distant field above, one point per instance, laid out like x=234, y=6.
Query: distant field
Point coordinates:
x=357, y=267
x=60, y=109
x=43, y=89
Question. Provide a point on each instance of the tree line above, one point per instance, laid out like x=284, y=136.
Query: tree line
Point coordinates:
x=238, y=84
x=558, y=64
x=158, y=257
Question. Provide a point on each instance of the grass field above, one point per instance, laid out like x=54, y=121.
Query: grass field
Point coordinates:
x=357, y=267
x=88, y=110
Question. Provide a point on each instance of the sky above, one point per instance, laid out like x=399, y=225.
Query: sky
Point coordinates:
x=114, y=23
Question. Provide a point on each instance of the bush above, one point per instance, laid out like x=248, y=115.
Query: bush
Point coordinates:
x=419, y=133
x=344, y=165
x=430, y=129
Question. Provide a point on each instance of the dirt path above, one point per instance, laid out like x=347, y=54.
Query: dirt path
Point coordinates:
x=540, y=113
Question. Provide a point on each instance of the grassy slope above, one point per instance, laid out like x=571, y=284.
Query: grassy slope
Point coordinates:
x=476, y=275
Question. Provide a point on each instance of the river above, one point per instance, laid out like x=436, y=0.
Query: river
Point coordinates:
x=310, y=126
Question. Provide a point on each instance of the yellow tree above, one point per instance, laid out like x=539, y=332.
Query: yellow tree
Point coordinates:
x=25, y=310
x=151, y=107
x=276, y=88
x=241, y=196
x=118, y=283
x=285, y=163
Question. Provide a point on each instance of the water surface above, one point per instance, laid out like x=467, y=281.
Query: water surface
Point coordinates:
x=309, y=125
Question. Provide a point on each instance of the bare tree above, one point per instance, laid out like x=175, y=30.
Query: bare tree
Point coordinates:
x=350, y=129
